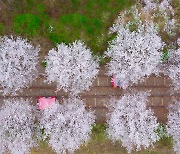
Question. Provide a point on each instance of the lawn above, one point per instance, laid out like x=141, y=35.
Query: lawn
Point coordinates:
x=62, y=21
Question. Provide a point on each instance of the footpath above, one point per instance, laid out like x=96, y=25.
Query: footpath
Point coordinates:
x=98, y=96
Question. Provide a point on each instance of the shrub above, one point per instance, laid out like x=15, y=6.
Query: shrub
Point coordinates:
x=72, y=67
x=173, y=125
x=161, y=131
x=67, y=126
x=165, y=55
x=134, y=54
x=28, y=24
x=17, y=127
x=18, y=59
x=131, y=123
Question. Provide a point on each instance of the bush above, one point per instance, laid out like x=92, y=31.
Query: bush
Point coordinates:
x=165, y=55
x=72, y=67
x=134, y=54
x=18, y=59
x=173, y=125
x=17, y=127
x=67, y=126
x=28, y=24
x=161, y=131
x=131, y=123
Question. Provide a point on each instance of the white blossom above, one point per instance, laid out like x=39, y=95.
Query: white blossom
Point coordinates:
x=167, y=12
x=72, y=67
x=122, y=19
x=166, y=6
x=178, y=41
x=17, y=126
x=170, y=26
x=173, y=125
x=163, y=6
x=162, y=9
x=174, y=74
x=18, y=59
x=135, y=54
x=171, y=67
x=130, y=122
x=149, y=5
x=67, y=126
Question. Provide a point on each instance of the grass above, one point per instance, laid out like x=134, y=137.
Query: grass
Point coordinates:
x=65, y=21
x=1, y=28
x=99, y=133
x=28, y=24
x=44, y=64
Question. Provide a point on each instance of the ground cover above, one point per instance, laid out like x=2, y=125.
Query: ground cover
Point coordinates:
x=63, y=21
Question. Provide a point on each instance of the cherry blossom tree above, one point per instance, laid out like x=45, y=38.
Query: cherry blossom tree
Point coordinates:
x=72, y=67
x=134, y=53
x=174, y=69
x=67, y=126
x=149, y=5
x=130, y=122
x=164, y=10
x=18, y=59
x=173, y=125
x=163, y=5
x=171, y=67
x=17, y=127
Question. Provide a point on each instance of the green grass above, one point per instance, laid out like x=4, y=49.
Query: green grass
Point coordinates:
x=1, y=28
x=165, y=142
x=90, y=23
x=75, y=26
x=88, y=20
x=28, y=24
x=99, y=133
